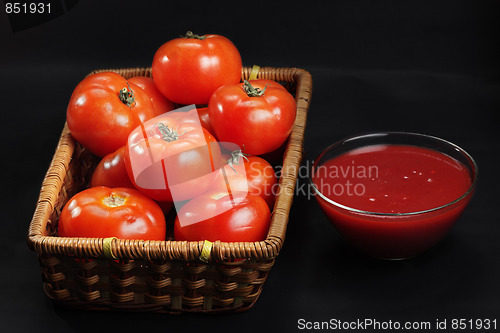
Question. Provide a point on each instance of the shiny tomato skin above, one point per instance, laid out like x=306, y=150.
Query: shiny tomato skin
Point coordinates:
x=174, y=170
x=98, y=119
x=246, y=219
x=101, y=212
x=160, y=103
x=189, y=70
x=111, y=171
x=205, y=119
x=250, y=173
x=258, y=125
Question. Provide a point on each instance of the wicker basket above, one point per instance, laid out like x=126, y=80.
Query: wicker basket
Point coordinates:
x=159, y=276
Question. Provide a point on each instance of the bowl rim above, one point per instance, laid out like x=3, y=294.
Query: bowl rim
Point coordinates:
x=474, y=176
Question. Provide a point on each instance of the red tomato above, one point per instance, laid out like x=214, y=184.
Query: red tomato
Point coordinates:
x=205, y=119
x=102, y=112
x=160, y=103
x=256, y=119
x=101, y=212
x=171, y=157
x=111, y=171
x=228, y=218
x=250, y=174
x=189, y=69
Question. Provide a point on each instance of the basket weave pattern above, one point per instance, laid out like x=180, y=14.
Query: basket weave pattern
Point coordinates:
x=160, y=276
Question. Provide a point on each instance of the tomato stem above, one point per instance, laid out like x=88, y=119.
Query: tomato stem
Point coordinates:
x=251, y=91
x=190, y=34
x=113, y=201
x=127, y=96
x=236, y=157
x=166, y=133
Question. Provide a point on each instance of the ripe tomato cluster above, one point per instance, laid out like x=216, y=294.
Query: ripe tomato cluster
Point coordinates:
x=157, y=154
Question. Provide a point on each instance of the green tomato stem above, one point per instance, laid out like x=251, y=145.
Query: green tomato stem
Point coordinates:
x=251, y=91
x=167, y=134
x=236, y=157
x=127, y=96
x=190, y=34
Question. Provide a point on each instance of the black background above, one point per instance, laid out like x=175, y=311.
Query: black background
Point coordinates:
x=424, y=66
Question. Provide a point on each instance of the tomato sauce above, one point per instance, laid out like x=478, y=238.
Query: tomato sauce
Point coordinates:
x=392, y=179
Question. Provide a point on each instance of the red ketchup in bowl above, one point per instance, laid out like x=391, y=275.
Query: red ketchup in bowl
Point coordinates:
x=392, y=201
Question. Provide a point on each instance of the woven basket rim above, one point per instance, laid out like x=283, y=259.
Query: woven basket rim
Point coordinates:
x=267, y=249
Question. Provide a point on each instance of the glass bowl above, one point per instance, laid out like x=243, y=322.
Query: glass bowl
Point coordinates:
x=399, y=234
